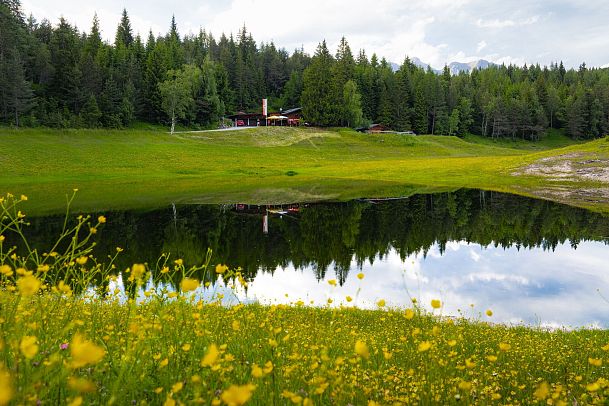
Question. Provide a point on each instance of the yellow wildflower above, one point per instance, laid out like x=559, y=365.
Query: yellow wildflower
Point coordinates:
x=85, y=352
x=489, y=312
x=381, y=303
x=542, y=391
x=179, y=262
x=81, y=260
x=6, y=390
x=189, y=284
x=220, y=269
x=28, y=347
x=28, y=285
x=6, y=270
x=211, y=357
x=409, y=314
x=81, y=385
x=332, y=282
x=77, y=401
x=101, y=219
x=361, y=349
x=464, y=385
x=268, y=367
x=491, y=358
x=593, y=387
x=64, y=288
x=597, y=362
x=177, y=387
x=138, y=271
x=349, y=299
x=238, y=395
x=504, y=346
x=424, y=346
x=360, y=276
x=43, y=268
x=436, y=304
x=186, y=347
x=257, y=371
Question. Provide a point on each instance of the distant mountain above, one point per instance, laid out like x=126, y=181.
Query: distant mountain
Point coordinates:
x=458, y=67
x=454, y=67
x=417, y=62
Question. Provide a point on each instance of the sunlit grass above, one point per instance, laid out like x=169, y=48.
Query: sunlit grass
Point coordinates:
x=146, y=169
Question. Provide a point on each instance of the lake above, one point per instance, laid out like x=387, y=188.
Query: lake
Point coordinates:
x=529, y=261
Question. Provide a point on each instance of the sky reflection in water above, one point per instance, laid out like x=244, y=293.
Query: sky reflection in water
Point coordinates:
x=562, y=288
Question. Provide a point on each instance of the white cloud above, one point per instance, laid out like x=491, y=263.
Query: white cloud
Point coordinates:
x=436, y=31
x=506, y=23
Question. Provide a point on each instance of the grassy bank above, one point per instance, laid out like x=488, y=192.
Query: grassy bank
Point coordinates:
x=144, y=169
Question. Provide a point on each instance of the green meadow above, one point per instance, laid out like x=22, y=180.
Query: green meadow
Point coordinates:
x=150, y=168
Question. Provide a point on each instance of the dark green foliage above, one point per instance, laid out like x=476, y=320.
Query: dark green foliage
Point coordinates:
x=55, y=76
x=90, y=113
x=320, y=97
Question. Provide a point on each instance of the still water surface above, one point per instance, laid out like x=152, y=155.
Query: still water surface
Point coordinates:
x=530, y=261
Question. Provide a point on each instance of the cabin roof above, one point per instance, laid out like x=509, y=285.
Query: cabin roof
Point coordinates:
x=291, y=111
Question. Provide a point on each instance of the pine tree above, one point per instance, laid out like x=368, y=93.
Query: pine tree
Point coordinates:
x=319, y=98
x=64, y=48
x=352, y=105
x=19, y=95
x=124, y=34
x=90, y=113
x=419, y=119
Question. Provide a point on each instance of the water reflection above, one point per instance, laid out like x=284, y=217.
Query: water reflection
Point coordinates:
x=528, y=260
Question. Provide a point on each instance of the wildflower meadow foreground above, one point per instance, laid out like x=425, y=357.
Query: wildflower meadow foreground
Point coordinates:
x=76, y=330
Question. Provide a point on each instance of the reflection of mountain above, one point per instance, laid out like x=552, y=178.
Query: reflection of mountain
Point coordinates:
x=320, y=235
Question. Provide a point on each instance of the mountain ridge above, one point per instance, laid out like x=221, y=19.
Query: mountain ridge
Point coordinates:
x=455, y=68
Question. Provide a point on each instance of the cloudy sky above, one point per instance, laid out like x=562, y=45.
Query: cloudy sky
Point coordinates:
x=436, y=31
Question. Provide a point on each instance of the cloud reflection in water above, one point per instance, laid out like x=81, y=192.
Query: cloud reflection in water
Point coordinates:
x=562, y=288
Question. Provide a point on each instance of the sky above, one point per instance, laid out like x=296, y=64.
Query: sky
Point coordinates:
x=435, y=31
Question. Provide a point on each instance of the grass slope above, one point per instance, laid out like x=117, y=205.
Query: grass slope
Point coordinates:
x=145, y=169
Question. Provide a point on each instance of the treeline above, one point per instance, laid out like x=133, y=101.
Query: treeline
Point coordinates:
x=57, y=76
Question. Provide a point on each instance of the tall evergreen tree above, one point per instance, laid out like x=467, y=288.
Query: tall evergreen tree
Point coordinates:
x=319, y=95
x=124, y=34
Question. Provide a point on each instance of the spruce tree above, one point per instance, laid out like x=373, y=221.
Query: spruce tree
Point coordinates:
x=319, y=98
x=124, y=34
